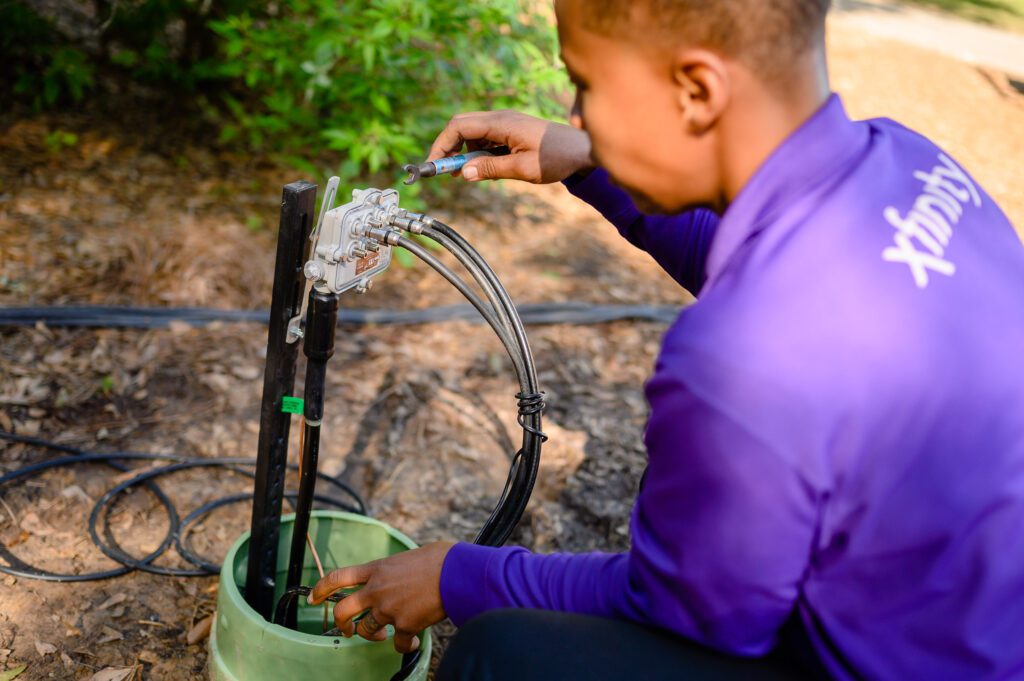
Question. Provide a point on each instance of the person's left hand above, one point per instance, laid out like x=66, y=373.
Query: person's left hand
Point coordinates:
x=403, y=590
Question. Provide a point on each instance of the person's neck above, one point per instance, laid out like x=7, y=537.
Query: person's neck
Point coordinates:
x=762, y=118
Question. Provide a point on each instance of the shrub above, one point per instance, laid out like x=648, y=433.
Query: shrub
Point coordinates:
x=362, y=85
x=376, y=79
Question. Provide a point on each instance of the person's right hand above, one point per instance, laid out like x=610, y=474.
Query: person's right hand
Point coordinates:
x=542, y=151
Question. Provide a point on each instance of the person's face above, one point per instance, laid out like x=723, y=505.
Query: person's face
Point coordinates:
x=628, y=102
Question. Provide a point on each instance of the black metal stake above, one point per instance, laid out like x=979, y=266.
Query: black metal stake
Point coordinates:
x=298, y=204
x=321, y=321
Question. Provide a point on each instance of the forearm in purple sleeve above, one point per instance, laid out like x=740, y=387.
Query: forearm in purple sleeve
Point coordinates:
x=476, y=579
x=721, y=535
x=679, y=243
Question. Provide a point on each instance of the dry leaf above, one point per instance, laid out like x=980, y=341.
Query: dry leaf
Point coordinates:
x=114, y=674
x=247, y=373
x=149, y=656
x=68, y=662
x=29, y=427
x=113, y=600
x=44, y=648
x=200, y=631
x=109, y=635
x=22, y=537
x=56, y=357
x=216, y=382
x=32, y=524
x=76, y=492
x=5, y=422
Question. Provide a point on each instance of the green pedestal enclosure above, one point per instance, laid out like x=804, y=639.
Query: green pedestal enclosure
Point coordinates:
x=245, y=647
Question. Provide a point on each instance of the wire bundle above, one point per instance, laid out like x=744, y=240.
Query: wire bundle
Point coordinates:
x=503, y=317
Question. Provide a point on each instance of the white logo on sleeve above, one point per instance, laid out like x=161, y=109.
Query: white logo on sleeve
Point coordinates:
x=923, y=234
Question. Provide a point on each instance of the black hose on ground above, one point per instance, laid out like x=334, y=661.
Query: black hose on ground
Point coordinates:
x=162, y=317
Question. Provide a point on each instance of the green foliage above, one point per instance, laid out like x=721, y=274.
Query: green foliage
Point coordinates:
x=35, y=67
x=106, y=385
x=375, y=80
x=59, y=140
x=254, y=222
x=348, y=87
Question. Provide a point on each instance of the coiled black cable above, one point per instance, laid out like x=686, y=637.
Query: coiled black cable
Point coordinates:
x=528, y=406
x=177, y=529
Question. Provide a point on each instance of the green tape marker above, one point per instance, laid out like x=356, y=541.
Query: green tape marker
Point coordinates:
x=292, y=405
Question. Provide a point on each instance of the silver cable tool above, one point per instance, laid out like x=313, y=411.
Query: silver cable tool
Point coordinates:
x=449, y=164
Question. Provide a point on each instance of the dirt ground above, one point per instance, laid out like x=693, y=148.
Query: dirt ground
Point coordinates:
x=131, y=214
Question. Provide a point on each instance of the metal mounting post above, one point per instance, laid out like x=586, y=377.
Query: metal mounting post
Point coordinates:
x=318, y=346
x=297, y=209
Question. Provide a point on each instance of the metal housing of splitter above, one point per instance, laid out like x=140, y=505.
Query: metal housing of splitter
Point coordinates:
x=345, y=254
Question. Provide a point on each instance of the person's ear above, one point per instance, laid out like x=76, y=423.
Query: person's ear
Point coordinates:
x=702, y=89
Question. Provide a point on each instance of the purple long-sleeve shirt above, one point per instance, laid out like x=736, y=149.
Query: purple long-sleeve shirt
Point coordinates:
x=836, y=425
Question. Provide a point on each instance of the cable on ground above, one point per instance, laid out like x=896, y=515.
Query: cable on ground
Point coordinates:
x=178, y=531
x=162, y=317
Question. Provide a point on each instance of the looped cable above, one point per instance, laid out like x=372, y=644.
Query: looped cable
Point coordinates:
x=529, y=405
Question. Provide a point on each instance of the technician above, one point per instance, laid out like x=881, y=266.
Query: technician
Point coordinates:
x=836, y=434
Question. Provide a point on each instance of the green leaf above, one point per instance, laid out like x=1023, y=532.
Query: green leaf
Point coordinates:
x=369, y=56
x=382, y=30
x=381, y=103
x=12, y=673
x=125, y=58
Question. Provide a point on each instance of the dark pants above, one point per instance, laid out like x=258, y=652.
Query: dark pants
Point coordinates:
x=518, y=645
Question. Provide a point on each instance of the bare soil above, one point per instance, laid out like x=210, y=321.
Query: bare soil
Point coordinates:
x=136, y=215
